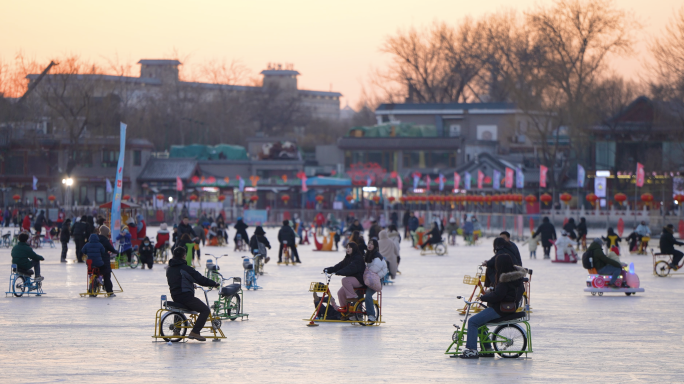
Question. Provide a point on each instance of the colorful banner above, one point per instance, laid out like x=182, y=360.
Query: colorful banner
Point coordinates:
x=108, y=186
x=427, y=182
x=496, y=179
x=519, y=178
x=581, y=175
x=640, y=175
x=441, y=182
x=509, y=178
x=600, y=186
x=542, y=176
x=241, y=184
x=467, y=180
x=480, y=179
x=118, y=185
x=416, y=179
x=457, y=180
x=179, y=184
x=35, y=183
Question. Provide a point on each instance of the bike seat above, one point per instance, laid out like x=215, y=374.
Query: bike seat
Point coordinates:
x=230, y=290
x=6, y=236
x=248, y=266
x=662, y=254
x=22, y=273
x=526, y=279
x=213, y=267
x=170, y=305
x=513, y=316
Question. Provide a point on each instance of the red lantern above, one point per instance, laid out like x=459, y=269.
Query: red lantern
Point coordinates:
x=285, y=198
x=254, y=198
x=319, y=198
x=391, y=199
x=349, y=198
x=221, y=197
x=566, y=197
x=160, y=197
x=126, y=197
x=646, y=198
x=592, y=198
x=620, y=198
x=546, y=198
x=679, y=198
x=192, y=197
x=376, y=199
x=16, y=197
x=488, y=199
x=52, y=198
x=531, y=199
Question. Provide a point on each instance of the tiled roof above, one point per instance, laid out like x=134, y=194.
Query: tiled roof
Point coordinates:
x=168, y=169
x=159, y=62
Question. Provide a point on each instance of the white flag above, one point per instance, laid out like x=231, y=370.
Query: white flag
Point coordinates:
x=35, y=183
x=109, y=186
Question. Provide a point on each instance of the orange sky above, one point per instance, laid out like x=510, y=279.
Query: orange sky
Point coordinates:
x=330, y=43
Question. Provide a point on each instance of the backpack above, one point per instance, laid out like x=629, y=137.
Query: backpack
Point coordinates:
x=587, y=260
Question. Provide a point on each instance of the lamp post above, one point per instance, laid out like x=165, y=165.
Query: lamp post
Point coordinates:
x=68, y=182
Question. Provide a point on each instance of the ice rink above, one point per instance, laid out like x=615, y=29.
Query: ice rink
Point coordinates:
x=62, y=337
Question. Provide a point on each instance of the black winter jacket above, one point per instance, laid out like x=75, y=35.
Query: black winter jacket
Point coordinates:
x=548, y=232
x=351, y=265
x=667, y=242
x=107, y=244
x=186, y=228
x=600, y=259
x=355, y=227
x=241, y=229
x=79, y=230
x=286, y=233
x=65, y=234
x=256, y=239
x=509, y=289
x=181, y=278
x=581, y=228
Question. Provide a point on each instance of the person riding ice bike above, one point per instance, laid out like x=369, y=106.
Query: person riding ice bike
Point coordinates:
x=352, y=268
x=435, y=236
x=182, y=279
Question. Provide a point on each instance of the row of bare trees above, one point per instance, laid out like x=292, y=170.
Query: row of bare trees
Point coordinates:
x=553, y=62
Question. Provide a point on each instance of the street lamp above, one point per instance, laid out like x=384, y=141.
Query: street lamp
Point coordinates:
x=68, y=182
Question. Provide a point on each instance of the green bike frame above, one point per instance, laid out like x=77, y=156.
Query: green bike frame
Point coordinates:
x=484, y=336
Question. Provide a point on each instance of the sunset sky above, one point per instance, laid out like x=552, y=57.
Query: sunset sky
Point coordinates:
x=331, y=43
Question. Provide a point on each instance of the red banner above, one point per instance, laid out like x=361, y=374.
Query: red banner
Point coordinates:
x=457, y=180
x=509, y=178
x=640, y=175
x=542, y=176
x=480, y=179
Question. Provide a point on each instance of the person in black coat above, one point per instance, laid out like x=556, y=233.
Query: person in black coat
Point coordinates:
x=548, y=232
x=394, y=218
x=185, y=227
x=508, y=288
x=514, y=251
x=570, y=227
x=355, y=226
x=259, y=237
x=240, y=229
x=405, y=222
x=78, y=232
x=64, y=236
x=435, y=236
x=667, y=243
x=286, y=238
x=182, y=279
x=352, y=267
x=501, y=246
x=582, y=233
x=147, y=253
x=357, y=239
x=40, y=222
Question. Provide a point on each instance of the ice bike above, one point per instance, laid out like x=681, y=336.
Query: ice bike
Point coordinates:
x=354, y=312
x=438, y=249
x=172, y=321
x=95, y=281
x=661, y=264
x=287, y=257
x=230, y=300
x=512, y=335
x=122, y=258
x=250, y=276
x=23, y=283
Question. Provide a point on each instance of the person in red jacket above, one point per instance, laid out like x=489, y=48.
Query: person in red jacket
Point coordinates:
x=26, y=224
x=320, y=220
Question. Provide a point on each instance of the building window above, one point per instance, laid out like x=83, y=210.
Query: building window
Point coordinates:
x=100, y=195
x=110, y=159
x=455, y=130
x=81, y=195
x=137, y=158
x=14, y=165
x=83, y=158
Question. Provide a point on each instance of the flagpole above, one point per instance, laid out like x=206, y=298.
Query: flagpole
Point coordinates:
x=635, y=200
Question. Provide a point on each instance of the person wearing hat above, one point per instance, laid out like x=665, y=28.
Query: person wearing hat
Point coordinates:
x=124, y=240
x=564, y=248
x=182, y=279
x=603, y=264
x=667, y=243
x=78, y=232
x=260, y=242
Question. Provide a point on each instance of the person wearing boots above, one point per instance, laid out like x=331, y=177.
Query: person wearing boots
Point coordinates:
x=26, y=259
x=287, y=234
x=181, y=279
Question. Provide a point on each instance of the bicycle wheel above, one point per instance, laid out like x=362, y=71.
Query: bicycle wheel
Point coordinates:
x=440, y=249
x=233, y=308
x=522, y=304
x=509, y=337
x=662, y=268
x=94, y=287
x=19, y=286
x=173, y=324
x=135, y=260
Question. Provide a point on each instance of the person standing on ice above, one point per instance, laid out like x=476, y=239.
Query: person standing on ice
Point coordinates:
x=548, y=232
x=181, y=279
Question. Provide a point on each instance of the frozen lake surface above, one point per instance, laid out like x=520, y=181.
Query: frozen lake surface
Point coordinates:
x=62, y=337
